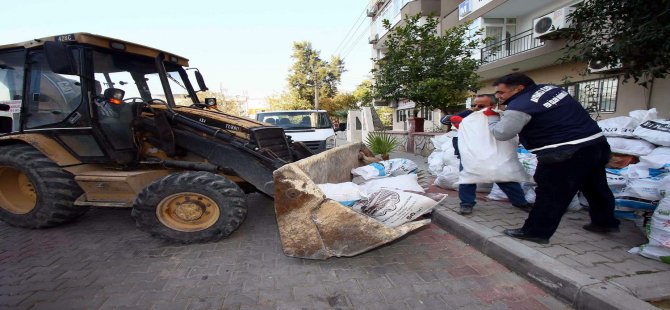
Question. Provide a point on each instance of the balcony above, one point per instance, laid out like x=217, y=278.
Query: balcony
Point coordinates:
x=513, y=45
x=521, y=53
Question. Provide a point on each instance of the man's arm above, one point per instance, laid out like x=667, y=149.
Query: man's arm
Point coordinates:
x=509, y=125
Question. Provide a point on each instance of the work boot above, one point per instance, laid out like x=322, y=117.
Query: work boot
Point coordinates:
x=601, y=229
x=465, y=210
x=520, y=234
x=525, y=207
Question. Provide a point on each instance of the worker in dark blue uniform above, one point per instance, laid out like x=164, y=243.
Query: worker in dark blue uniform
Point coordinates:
x=571, y=152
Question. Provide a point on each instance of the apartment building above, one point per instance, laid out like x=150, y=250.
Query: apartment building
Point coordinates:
x=524, y=40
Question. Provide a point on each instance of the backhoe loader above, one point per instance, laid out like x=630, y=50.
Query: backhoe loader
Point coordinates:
x=91, y=121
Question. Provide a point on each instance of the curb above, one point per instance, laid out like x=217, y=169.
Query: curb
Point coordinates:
x=571, y=285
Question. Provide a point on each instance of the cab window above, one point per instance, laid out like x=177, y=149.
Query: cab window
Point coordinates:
x=52, y=97
x=11, y=88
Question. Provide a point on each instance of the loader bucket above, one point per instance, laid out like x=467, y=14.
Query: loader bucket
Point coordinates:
x=312, y=226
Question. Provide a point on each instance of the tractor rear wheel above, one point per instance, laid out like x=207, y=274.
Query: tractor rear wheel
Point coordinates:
x=34, y=191
x=189, y=207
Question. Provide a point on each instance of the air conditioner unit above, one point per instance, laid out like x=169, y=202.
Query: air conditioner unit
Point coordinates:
x=548, y=26
x=373, y=39
x=597, y=66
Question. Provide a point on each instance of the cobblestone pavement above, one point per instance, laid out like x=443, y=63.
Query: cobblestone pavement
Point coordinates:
x=602, y=256
x=102, y=261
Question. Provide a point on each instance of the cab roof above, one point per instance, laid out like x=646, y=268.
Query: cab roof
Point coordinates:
x=100, y=41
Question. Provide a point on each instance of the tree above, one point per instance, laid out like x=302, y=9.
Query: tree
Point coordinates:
x=632, y=34
x=288, y=101
x=420, y=65
x=340, y=102
x=308, y=68
x=363, y=93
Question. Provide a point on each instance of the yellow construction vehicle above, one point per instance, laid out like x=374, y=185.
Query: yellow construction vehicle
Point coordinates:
x=91, y=121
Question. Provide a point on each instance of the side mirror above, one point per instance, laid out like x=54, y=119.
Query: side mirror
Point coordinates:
x=59, y=58
x=210, y=102
x=114, y=95
x=200, y=80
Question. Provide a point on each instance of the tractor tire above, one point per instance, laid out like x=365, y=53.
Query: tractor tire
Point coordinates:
x=34, y=191
x=188, y=207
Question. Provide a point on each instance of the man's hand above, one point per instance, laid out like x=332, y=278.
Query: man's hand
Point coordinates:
x=456, y=121
x=492, y=116
x=490, y=112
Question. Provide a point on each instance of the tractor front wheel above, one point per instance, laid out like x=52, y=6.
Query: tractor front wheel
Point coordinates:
x=190, y=207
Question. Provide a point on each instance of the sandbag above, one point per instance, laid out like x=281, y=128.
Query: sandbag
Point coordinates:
x=394, y=207
x=641, y=116
x=447, y=178
x=649, y=166
x=659, y=228
x=485, y=159
x=408, y=182
x=345, y=193
x=621, y=126
x=655, y=131
x=635, y=147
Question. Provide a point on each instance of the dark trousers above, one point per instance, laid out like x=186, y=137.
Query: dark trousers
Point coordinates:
x=557, y=184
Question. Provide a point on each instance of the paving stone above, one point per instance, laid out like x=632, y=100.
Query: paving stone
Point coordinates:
x=121, y=267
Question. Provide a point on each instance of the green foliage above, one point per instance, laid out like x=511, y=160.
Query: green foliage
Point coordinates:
x=380, y=142
x=288, y=101
x=363, y=93
x=385, y=115
x=432, y=70
x=632, y=33
x=340, y=102
x=309, y=69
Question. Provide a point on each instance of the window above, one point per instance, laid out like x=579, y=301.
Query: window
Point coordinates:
x=53, y=97
x=401, y=115
x=596, y=95
x=426, y=113
x=11, y=89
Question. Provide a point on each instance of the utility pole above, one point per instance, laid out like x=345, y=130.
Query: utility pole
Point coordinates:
x=316, y=87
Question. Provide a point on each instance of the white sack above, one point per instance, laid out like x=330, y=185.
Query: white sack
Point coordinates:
x=345, y=193
x=641, y=116
x=574, y=204
x=368, y=172
x=496, y=193
x=435, y=162
x=661, y=150
x=633, y=147
x=655, y=131
x=646, y=189
x=616, y=182
x=398, y=166
x=621, y=126
x=447, y=178
x=406, y=182
x=649, y=166
x=485, y=159
x=443, y=142
x=394, y=208
x=659, y=227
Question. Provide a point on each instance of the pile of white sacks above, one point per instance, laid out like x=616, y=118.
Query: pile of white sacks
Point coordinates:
x=639, y=174
x=388, y=191
x=643, y=140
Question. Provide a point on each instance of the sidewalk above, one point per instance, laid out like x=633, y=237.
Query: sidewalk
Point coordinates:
x=590, y=271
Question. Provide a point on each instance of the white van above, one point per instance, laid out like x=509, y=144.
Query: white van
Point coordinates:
x=311, y=127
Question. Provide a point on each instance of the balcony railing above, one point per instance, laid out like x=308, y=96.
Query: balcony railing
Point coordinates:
x=513, y=45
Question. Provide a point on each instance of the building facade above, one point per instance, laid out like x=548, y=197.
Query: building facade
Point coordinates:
x=523, y=40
